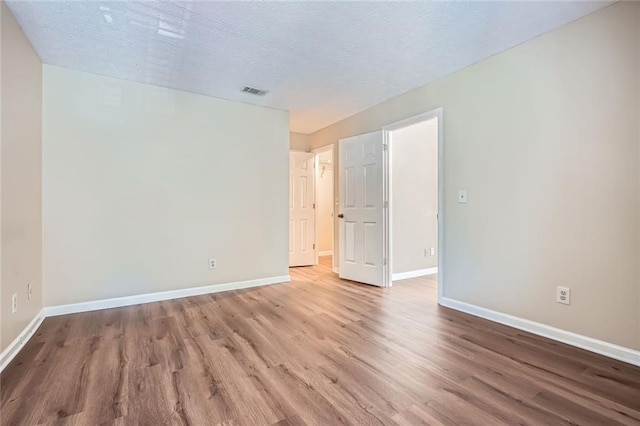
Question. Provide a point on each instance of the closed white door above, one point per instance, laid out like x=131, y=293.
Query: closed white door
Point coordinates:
x=301, y=209
x=361, y=209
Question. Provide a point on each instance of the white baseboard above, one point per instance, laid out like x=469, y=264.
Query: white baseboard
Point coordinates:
x=610, y=350
x=325, y=253
x=14, y=347
x=52, y=311
x=620, y=353
x=414, y=274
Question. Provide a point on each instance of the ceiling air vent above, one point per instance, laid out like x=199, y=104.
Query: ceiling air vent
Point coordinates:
x=254, y=91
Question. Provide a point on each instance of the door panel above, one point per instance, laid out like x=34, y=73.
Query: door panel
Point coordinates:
x=361, y=250
x=301, y=209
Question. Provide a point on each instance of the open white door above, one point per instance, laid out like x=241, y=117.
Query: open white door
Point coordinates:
x=301, y=209
x=361, y=209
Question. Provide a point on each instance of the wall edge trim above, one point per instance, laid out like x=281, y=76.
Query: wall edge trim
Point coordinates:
x=620, y=353
x=117, y=302
x=18, y=343
x=414, y=274
x=10, y=352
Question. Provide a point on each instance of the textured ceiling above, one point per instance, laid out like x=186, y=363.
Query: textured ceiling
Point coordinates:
x=323, y=61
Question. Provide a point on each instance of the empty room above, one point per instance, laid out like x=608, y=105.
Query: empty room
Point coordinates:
x=320, y=212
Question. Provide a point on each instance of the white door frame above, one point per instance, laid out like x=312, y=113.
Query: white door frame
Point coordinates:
x=386, y=131
x=318, y=151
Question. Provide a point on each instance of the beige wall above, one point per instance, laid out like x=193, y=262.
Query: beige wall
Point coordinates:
x=299, y=141
x=544, y=137
x=414, y=196
x=21, y=178
x=324, y=204
x=143, y=185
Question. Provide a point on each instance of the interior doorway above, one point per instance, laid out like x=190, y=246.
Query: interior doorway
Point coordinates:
x=392, y=210
x=311, y=207
x=414, y=196
x=325, y=201
x=414, y=199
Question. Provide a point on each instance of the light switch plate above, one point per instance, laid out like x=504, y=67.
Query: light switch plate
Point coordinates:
x=462, y=196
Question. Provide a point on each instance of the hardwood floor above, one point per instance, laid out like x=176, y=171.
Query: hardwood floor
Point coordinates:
x=315, y=351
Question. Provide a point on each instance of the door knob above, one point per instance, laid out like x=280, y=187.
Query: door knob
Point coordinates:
x=341, y=216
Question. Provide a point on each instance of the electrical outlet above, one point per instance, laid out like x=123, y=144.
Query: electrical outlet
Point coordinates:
x=212, y=264
x=29, y=291
x=433, y=251
x=563, y=295
x=14, y=303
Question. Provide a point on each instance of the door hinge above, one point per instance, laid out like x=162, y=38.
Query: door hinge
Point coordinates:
x=384, y=262
x=385, y=204
x=385, y=147
x=314, y=205
x=314, y=246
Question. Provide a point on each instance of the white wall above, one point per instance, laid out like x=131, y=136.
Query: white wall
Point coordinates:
x=545, y=139
x=414, y=196
x=21, y=177
x=143, y=185
x=324, y=204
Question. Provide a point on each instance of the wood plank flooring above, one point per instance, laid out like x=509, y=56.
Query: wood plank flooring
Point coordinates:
x=316, y=351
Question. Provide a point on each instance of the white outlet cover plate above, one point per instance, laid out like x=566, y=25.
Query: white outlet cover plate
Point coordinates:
x=563, y=295
x=462, y=196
